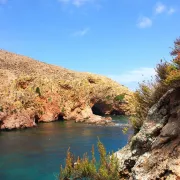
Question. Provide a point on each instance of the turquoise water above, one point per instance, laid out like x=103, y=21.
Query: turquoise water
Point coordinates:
x=36, y=154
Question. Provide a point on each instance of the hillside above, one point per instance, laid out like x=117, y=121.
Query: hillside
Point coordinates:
x=32, y=91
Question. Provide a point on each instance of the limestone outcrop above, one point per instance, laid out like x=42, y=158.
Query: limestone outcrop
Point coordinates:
x=154, y=152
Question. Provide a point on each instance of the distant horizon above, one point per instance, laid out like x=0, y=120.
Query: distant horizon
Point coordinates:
x=96, y=36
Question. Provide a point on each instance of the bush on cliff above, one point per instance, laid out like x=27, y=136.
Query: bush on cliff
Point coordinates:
x=167, y=77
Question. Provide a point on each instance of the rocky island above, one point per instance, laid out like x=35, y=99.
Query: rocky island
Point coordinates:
x=32, y=92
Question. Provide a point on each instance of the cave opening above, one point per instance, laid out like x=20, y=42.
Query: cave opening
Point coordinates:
x=96, y=109
x=102, y=109
x=36, y=119
x=116, y=113
x=60, y=117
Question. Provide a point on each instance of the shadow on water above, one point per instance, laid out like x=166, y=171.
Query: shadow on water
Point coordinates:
x=38, y=152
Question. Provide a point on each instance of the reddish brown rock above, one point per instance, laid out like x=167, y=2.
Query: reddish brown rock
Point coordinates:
x=17, y=121
x=2, y=116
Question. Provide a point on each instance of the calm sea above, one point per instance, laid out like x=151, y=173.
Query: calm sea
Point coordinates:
x=36, y=154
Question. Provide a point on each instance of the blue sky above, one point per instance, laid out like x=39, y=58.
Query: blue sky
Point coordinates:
x=121, y=39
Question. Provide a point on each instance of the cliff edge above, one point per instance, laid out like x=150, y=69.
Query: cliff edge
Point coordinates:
x=154, y=152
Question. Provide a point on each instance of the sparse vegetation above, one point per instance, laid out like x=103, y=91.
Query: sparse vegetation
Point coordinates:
x=168, y=76
x=29, y=85
x=86, y=168
x=119, y=97
x=38, y=91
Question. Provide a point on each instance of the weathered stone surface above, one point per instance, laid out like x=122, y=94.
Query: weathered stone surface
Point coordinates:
x=101, y=121
x=17, y=121
x=87, y=116
x=154, y=152
x=51, y=113
x=2, y=116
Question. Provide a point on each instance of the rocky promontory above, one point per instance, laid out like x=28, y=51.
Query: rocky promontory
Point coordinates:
x=154, y=152
x=32, y=92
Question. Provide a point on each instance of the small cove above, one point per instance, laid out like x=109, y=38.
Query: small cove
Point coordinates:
x=38, y=152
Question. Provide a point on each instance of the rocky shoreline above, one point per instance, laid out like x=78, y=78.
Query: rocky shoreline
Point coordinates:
x=154, y=152
x=21, y=121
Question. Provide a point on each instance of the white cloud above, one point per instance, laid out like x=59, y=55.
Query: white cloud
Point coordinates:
x=131, y=78
x=160, y=8
x=144, y=22
x=77, y=3
x=171, y=11
x=81, y=33
x=3, y=1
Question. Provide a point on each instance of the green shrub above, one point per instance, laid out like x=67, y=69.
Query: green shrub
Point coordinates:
x=119, y=97
x=38, y=91
x=168, y=76
x=49, y=99
x=143, y=102
x=86, y=168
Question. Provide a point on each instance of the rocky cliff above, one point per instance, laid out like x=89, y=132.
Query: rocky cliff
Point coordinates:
x=33, y=92
x=154, y=152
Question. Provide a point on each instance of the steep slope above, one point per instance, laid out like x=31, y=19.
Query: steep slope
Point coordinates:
x=154, y=153
x=33, y=91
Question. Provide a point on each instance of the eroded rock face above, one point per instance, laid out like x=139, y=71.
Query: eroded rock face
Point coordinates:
x=29, y=118
x=17, y=121
x=154, y=153
x=87, y=116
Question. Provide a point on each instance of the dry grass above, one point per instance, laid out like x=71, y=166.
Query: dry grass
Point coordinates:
x=22, y=77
